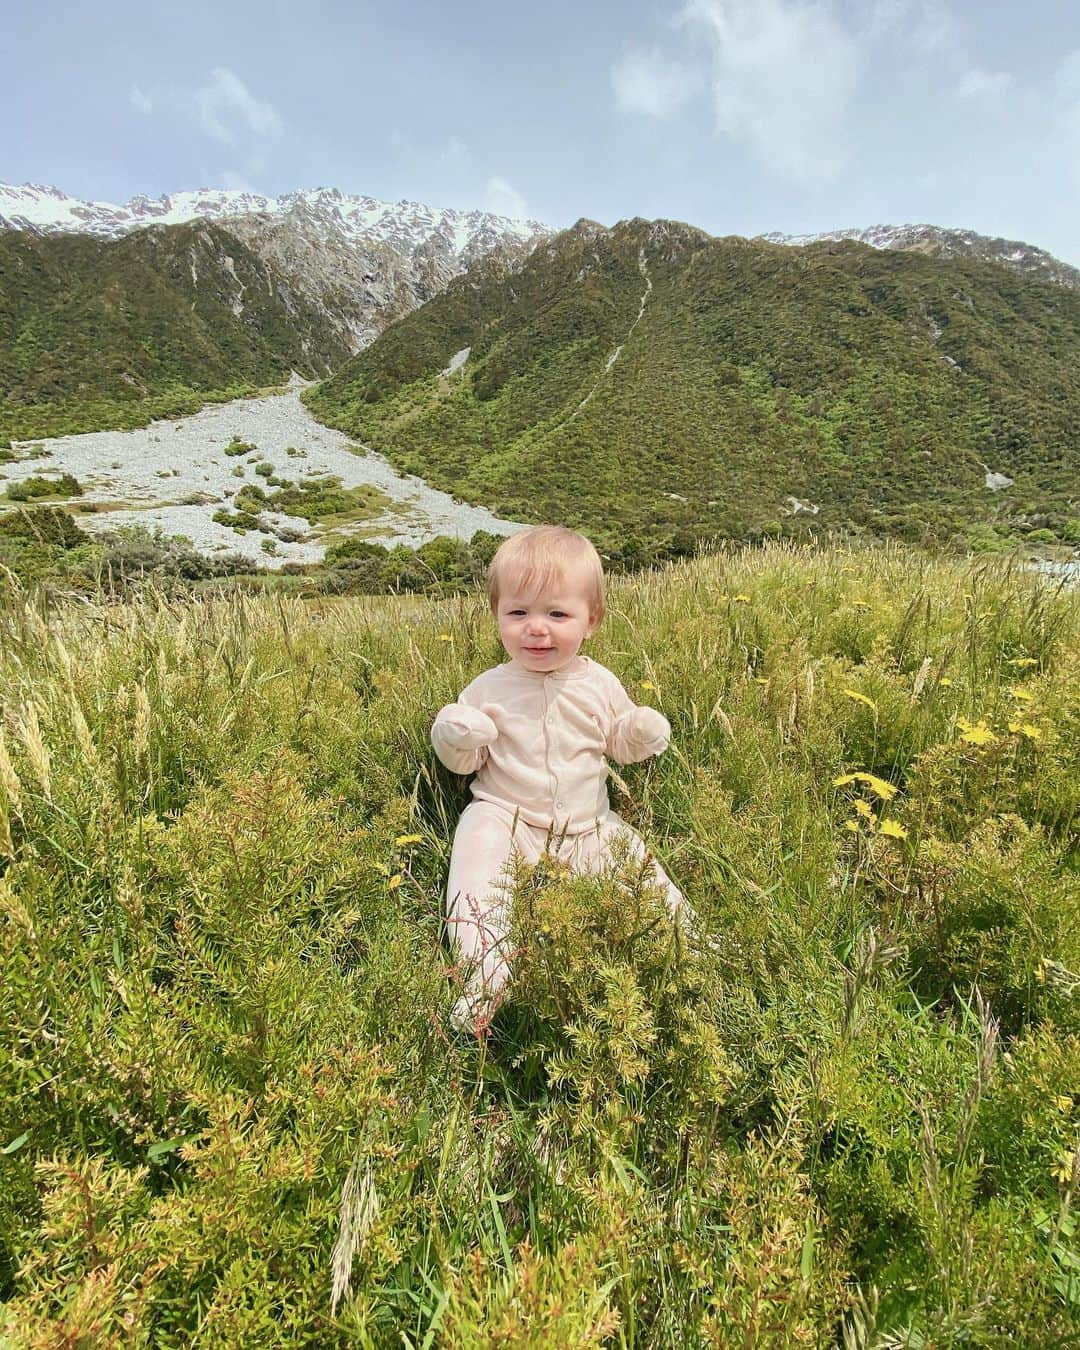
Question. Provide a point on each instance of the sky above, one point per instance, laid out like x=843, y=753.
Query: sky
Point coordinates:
x=738, y=116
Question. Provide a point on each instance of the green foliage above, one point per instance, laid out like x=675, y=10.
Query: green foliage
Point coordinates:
x=238, y=447
x=30, y=488
x=231, y=1112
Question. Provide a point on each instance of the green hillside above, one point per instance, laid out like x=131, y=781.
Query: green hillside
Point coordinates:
x=874, y=385
x=109, y=333
x=232, y=1113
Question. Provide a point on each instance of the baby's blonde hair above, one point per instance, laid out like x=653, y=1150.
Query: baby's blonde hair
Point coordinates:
x=542, y=558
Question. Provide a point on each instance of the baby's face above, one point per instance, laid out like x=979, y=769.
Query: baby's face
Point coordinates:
x=544, y=631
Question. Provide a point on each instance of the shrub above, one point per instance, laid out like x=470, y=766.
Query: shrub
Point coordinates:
x=30, y=488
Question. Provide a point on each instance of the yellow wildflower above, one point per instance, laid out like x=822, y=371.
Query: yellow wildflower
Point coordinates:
x=647, y=684
x=394, y=882
x=975, y=733
x=1064, y=1104
x=945, y=681
x=1062, y=1170
x=445, y=637
x=741, y=599
x=381, y=867
x=761, y=679
x=892, y=829
x=852, y=825
x=865, y=810
x=860, y=698
x=1025, y=695
x=878, y=786
x=860, y=604
x=403, y=839
x=1026, y=729
x=1022, y=661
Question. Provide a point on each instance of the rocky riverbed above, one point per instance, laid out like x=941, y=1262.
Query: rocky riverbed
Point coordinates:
x=175, y=475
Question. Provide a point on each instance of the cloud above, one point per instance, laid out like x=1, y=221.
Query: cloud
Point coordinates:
x=1065, y=110
x=455, y=153
x=923, y=27
x=981, y=84
x=236, y=178
x=227, y=100
x=139, y=101
x=501, y=199
x=650, y=82
x=783, y=73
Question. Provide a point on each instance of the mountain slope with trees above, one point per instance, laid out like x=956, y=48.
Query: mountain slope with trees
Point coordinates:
x=656, y=385
x=111, y=332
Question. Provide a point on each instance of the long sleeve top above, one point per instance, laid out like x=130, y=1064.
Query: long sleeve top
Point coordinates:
x=537, y=741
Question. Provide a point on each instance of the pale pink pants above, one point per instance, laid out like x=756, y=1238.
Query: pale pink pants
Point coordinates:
x=477, y=892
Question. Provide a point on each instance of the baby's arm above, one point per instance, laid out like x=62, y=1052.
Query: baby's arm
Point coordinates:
x=637, y=732
x=461, y=735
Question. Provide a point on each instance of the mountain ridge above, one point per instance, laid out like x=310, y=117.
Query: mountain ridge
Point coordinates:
x=732, y=387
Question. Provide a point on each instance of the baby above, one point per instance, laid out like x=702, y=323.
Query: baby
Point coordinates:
x=535, y=731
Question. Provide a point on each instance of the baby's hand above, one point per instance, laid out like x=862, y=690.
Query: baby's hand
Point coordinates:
x=465, y=728
x=651, y=727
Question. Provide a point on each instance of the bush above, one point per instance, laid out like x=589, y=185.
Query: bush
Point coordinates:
x=30, y=488
x=45, y=525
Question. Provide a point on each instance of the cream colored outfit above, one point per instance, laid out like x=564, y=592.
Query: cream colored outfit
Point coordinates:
x=537, y=743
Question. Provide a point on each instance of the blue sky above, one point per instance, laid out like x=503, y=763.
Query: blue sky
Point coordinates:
x=740, y=116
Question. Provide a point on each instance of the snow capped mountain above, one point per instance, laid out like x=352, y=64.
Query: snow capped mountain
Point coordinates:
x=405, y=226
x=946, y=243
x=360, y=262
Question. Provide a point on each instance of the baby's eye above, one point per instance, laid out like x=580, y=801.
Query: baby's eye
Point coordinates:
x=557, y=614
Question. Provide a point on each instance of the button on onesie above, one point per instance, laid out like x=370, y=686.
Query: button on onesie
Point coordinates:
x=550, y=734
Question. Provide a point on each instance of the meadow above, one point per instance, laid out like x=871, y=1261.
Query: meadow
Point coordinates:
x=231, y=1110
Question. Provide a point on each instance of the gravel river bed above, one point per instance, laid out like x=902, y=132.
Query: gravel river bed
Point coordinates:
x=153, y=475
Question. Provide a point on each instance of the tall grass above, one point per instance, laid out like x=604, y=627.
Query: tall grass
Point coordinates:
x=231, y=1111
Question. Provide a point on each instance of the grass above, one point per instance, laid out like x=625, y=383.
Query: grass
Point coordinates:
x=230, y=1109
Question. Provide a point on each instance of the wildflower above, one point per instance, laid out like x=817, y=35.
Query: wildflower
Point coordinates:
x=1025, y=695
x=445, y=637
x=1064, y=1104
x=1040, y=972
x=865, y=810
x=852, y=825
x=1026, y=729
x=403, y=839
x=1022, y=661
x=381, y=867
x=394, y=882
x=647, y=684
x=1062, y=1170
x=945, y=681
x=975, y=733
x=860, y=604
x=892, y=829
x=761, y=679
x=860, y=698
x=741, y=599
x=878, y=786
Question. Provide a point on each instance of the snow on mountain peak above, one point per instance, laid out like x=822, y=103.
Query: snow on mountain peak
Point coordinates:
x=406, y=225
